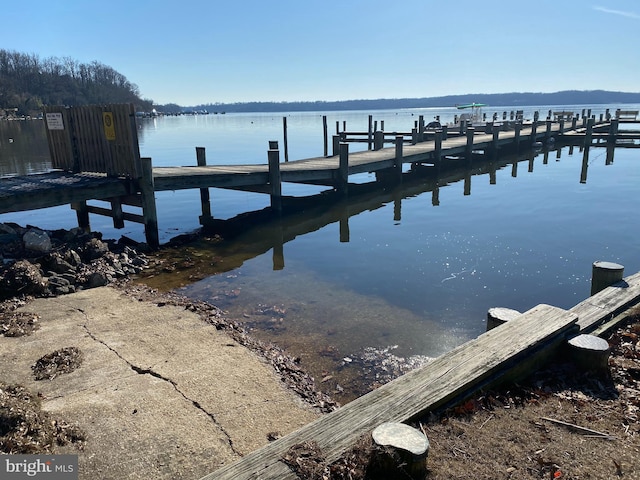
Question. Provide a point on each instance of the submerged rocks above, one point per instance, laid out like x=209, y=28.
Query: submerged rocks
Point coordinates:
x=48, y=263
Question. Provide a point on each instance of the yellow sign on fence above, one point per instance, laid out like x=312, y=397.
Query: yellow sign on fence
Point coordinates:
x=109, y=127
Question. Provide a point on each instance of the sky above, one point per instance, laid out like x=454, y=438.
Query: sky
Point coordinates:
x=193, y=52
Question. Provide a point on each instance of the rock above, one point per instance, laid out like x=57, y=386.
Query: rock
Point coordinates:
x=96, y=279
x=22, y=278
x=56, y=263
x=37, y=241
x=6, y=229
x=94, y=249
x=72, y=259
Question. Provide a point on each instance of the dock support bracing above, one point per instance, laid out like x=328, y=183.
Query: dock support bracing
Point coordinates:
x=205, y=203
x=273, y=156
x=149, y=204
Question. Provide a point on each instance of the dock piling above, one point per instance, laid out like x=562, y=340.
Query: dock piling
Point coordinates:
x=275, y=181
x=398, y=159
x=205, y=200
x=605, y=274
x=469, y=146
x=145, y=183
x=343, y=170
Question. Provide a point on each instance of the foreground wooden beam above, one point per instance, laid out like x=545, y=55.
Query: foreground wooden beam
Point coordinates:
x=501, y=354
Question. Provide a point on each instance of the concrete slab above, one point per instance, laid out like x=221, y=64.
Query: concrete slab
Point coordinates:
x=160, y=393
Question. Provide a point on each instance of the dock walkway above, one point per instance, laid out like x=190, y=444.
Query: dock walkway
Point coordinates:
x=60, y=187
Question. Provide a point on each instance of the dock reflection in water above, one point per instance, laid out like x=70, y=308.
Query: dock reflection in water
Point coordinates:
x=382, y=280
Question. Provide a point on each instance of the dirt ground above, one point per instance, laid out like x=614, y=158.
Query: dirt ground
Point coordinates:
x=559, y=423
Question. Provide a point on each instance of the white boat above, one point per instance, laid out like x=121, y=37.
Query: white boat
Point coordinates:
x=474, y=114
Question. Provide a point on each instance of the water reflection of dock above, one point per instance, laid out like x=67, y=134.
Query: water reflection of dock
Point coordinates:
x=260, y=231
x=100, y=161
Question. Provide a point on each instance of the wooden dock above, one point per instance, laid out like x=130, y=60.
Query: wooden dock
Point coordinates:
x=109, y=167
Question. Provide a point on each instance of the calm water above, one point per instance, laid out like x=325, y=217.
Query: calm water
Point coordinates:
x=412, y=269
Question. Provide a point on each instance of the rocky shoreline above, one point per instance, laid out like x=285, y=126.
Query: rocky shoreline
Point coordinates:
x=38, y=263
x=50, y=263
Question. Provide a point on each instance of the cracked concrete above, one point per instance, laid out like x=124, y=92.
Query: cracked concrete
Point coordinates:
x=160, y=394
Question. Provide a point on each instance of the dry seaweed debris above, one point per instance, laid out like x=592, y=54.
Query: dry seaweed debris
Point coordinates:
x=14, y=323
x=26, y=429
x=55, y=363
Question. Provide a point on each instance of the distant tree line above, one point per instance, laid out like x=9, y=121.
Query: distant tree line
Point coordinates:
x=27, y=82
x=515, y=99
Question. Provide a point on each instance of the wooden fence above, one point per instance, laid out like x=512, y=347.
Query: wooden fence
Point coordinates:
x=95, y=138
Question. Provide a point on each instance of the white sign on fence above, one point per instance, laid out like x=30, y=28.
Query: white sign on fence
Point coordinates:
x=54, y=121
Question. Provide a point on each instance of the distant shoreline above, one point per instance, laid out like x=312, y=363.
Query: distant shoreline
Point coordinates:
x=514, y=99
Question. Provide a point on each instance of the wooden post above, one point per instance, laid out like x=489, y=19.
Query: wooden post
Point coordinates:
x=437, y=154
x=421, y=128
x=286, y=142
x=325, y=135
x=343, y=170
x=402, y=452
x=547, y=132
x=469, y=147
x=534, y=132
x=336, y=145
x=116, y=213
x=495, y=130
x=205, y=204
x=378, y=140
x=445, y=131
x=82, y=214
x=561, y=127
x=574, y=123
x=590, y=352
x=337, y=127
x=275, y=181
x=499, y=315
x=414, y=136
x=149, y=213
x=589, y=133
x=613, y=131
x=370, y=133
x=516, y=138
x=605, y=274
x=398, y=158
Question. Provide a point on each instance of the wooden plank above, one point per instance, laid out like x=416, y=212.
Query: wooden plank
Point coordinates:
x=452, y=376
x=607, y=303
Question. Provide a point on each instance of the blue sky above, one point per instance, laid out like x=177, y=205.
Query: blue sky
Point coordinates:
x=205, y=51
